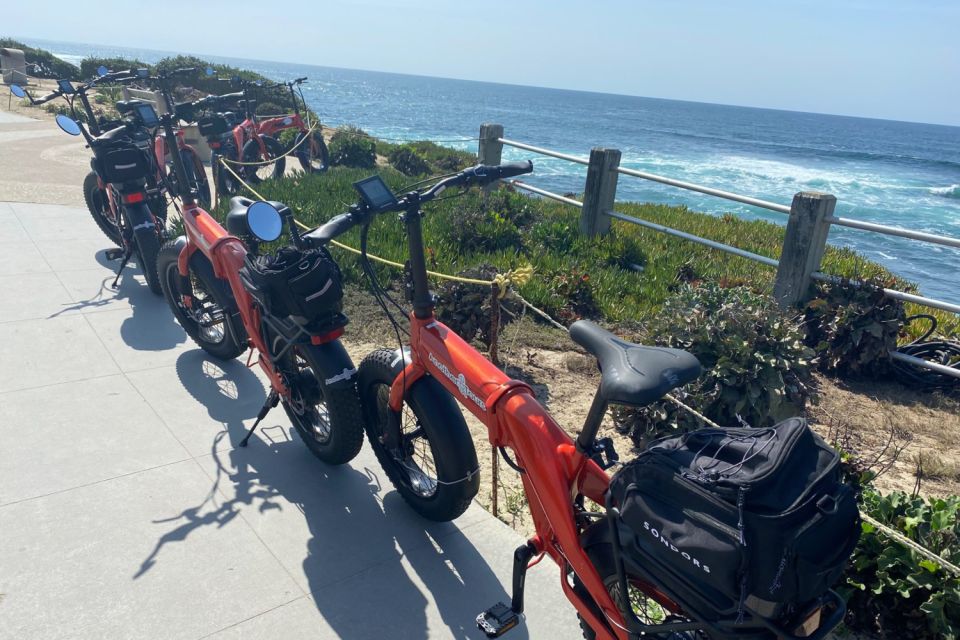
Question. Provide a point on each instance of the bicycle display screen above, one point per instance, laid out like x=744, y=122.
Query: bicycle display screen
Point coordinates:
x=147, y=115
x=375, y=192
x=65, y=86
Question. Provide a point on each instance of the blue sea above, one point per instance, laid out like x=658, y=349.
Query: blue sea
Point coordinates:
x=895, y=173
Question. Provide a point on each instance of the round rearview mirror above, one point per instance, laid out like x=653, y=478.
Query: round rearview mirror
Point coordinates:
x=210, y=71
x=18, y=91
x=102, y=71
x=264, y=221
x=68, y=124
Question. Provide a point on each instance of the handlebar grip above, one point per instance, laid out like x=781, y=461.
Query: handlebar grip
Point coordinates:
x=335, y=226
x=303, y=79
x=509, y=169
x=47, y=98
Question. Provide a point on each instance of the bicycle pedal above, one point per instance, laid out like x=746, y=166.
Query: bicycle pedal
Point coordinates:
x=113, y=254
x=497, y=620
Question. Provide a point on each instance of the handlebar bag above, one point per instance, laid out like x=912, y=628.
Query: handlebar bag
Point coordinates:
x=122, y=163
x=752, y=521
x=306, y=286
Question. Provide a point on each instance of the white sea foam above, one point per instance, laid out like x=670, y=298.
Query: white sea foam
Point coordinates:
x=953, y=191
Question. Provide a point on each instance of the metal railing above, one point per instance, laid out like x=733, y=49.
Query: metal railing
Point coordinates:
x=810, y=219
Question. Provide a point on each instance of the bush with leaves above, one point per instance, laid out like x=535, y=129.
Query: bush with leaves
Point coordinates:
x=853, y=329
x=894, y=591
x=41, y=63
x=89, y=65
x=756, y=366
x=407, y=161
x=466, y=308
x=269, y=109
x=352, y=147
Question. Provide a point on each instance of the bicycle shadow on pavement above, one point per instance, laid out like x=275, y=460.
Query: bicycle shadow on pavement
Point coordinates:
x=370, y=564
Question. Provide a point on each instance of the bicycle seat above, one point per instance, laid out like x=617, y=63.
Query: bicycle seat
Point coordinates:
x=236, y=218
x=632, y=373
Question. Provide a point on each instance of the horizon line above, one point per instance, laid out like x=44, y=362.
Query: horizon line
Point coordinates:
x=512, y=84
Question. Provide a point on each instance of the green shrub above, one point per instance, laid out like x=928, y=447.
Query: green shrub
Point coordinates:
x=352, y=147
x=756, y=366
x=269, y=109
x=894, y=591
x=62, y=108
x=853, y=329
x=407, y=161
x=572, y=294
x=443, y=159
x=41, y=63
x=288, y=137
x=89, y=66
x=466, y=308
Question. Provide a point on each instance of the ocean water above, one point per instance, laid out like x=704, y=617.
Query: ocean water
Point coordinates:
x=896, y=173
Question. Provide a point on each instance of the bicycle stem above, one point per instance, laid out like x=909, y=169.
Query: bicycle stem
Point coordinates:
x=422, y=300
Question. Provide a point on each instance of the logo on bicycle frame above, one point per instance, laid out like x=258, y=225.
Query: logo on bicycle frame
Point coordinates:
x=460, y=381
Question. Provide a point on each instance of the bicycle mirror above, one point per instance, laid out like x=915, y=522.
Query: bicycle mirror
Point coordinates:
x=68, y=124
x=264, y=221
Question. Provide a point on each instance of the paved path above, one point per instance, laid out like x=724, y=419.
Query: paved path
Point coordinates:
x=126, y=511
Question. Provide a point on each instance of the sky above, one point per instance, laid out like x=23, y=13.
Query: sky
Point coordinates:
x=894, y=59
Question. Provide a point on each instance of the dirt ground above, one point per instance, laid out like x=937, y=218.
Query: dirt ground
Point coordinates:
x=886, y=424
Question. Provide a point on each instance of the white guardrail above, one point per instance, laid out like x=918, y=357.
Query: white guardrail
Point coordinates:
x=810, y=219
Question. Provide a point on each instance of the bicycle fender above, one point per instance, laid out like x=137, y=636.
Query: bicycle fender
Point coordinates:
x=336, y=368
x=140, y=218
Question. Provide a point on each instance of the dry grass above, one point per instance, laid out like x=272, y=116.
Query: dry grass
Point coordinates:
x=926, y=424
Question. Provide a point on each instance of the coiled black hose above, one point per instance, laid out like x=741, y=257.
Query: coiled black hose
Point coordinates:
x=945, y=352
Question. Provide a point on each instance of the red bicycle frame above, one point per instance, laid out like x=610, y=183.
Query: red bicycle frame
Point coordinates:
x=226, y=253
x=556, y=472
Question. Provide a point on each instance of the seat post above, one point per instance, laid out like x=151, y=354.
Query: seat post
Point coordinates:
x=592, y=424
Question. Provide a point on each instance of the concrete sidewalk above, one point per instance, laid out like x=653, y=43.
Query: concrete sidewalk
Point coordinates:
x=127, y=512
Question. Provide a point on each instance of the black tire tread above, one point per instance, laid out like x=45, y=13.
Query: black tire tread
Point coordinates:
x=231, y=347
x=90, y=186
x=148, y=251
x=251, y=153
x=447, y=432
x=346, y=422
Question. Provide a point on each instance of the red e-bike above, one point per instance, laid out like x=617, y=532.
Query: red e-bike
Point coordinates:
x=213, y=283
x=418, y=433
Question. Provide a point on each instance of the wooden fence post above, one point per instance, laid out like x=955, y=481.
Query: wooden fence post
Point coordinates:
x=600, y=191
x=490, y=149
x=803, y=246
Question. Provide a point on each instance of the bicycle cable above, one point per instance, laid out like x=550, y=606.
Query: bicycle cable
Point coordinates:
x=944, y=352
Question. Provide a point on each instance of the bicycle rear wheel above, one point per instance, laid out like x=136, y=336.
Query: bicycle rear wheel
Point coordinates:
x=647, y=610
x=432, y=462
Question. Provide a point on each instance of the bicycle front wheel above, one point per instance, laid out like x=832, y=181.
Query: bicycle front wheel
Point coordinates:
x=425, y=449
x=313, y=154
x=252, y=152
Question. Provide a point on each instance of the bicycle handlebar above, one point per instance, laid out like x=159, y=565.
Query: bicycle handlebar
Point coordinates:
x=480, y=175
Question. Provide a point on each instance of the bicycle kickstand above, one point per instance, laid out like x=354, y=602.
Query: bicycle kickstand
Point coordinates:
x=123, y=263
x=498, y=619
x=271, y=402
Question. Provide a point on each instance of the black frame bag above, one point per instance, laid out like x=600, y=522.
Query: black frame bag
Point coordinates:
x=739, y=521
x=304, y=285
